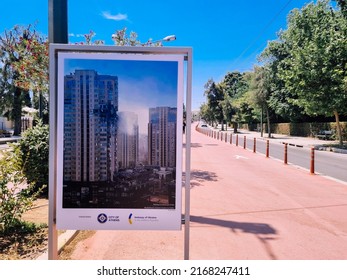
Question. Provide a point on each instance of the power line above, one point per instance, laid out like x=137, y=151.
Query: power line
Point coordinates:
x=263, y=30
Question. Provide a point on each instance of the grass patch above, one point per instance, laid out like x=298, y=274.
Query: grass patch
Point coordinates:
x=25, y=241
x=67, y=251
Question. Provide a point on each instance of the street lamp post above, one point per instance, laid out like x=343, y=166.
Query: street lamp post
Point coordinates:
x=165, y=39
x=169, y=38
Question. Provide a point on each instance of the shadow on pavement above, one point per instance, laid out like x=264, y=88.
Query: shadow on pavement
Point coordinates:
x=193, y=145
x=197, y=177
x=264, y=232
x=254, y=228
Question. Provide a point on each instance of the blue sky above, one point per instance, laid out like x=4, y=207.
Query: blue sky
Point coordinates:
x=225, y=35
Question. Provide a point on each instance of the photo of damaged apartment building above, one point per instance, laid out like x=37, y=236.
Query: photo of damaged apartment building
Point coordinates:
x=108, y=162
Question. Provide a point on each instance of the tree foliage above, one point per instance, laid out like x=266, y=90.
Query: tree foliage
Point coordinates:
x=16, y=197
x=32, y=153
x=343, y=6
x=262, y=91
x=121, y=38
x=303, y=72
x=316, y=66
x=281, y=100
x=24, y=68
x=215, y=97
x=234, y=104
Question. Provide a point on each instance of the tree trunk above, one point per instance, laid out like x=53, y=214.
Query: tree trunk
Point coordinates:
x=268, y=122
x=235, y=127
x=338, y=126
x=261, y=122
x=17, y=111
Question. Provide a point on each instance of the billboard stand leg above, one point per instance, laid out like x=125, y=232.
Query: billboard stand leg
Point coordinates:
x=188, y=141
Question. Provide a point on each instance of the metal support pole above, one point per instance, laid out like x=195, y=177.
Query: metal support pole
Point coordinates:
x=267, y=148
x=254, y=145
x=285, y=153
x=312, y=161
x=57, y=20
x=188, y=161
x=57, y=33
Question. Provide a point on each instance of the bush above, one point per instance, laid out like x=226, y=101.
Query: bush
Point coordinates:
x=32, y=152
x=14, y=193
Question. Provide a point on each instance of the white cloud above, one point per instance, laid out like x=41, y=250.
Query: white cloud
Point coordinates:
x=117, y=17
x=75, y=35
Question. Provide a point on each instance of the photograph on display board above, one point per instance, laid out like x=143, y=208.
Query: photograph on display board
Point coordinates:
x=122, y=122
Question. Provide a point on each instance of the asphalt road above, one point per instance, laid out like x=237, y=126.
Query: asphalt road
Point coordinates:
x=326, y=163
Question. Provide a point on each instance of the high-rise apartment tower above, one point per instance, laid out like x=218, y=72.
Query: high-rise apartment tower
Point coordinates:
x=90, y=126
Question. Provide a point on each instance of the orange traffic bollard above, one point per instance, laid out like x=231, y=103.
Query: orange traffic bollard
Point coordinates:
x=285, y=153
x=267, y=148
x=244, y=142
x=312, y=161
x=254, y=145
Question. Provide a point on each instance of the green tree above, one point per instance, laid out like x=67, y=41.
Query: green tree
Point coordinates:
x=215, y=97
x=281, y=101
x=261, y=87
x=235, y=108
x=24, y=60
x=316, y=72
x=206, y=114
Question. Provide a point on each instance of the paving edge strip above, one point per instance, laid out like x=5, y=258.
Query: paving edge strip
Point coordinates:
x=63, y=240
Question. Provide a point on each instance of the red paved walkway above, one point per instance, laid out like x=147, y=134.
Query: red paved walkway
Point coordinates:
x=243, y=206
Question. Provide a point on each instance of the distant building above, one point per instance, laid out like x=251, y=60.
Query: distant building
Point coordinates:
x=6, y=124
x=127, y=140
x=90, y=126
x=143, y=149
x=162, y=136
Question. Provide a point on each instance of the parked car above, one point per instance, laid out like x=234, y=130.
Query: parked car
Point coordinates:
x=4, y=133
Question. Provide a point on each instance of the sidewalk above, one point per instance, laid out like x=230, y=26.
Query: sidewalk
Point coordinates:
x=5, y=140
x=243, y=206
x=282, y=138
